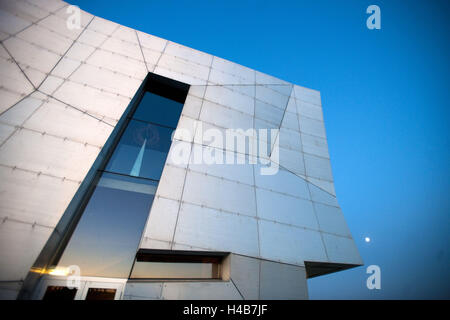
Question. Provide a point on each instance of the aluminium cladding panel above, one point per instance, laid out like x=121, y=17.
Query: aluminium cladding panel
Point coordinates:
x=269, y=113
x=315, y=145
x=67, y=123
x=290, y=159
x=36, y=61
x=214, y=229
x=162, y=220
x=98, y=103
x=342, y=249
x=25, y=13
x=48, y=154
x=5, y=132
x=220, y=194
x=20, y=244
x=244, y=273
x=193, y=104
x=14, y=86
x=241, y=171
x=9, y=23
x=107, y=80
x=226, y=96
x=280, y=281
x=135, y=290
x=270, y=95
x=118, y=63
x=220, y=77
x=283, y=182
x=286, y=209
x=225, y=117
x=22, y=109
x=181, y=290
x=289, y=139
x=28, y=201
x=289, y=244
x=39, y=34
x=219, y=290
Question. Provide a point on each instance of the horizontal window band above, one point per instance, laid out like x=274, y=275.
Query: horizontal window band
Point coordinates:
x=181, y=256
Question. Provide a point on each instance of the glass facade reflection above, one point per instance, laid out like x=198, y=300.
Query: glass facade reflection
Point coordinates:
x=106, y=238
x=142, y=150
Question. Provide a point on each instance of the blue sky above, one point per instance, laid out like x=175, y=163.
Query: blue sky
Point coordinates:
x=385, y=97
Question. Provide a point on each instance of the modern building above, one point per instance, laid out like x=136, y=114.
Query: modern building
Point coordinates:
x=132, y=167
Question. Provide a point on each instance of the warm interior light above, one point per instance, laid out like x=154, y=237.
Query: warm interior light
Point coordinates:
x=59, y=271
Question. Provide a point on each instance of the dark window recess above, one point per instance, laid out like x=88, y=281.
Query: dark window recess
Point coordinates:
x=106, y=237
x=100, y=294
x=59, y=293
x=171, y=264
x=157, y=109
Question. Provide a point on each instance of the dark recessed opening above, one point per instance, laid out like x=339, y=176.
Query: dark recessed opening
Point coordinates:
x=100, y=294
x=59, y=293
x=173, y=264
x=168, y=88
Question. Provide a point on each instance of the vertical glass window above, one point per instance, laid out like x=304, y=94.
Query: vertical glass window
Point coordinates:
x=105, y=241
x=142, y=150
